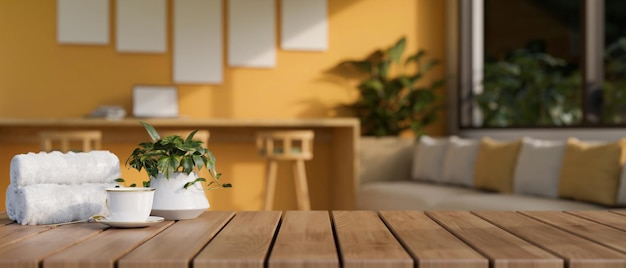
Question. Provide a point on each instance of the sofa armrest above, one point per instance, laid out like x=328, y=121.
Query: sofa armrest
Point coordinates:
x=385, y=159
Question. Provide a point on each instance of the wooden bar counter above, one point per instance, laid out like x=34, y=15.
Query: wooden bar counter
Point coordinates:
x=332, y=171
x=271, y=239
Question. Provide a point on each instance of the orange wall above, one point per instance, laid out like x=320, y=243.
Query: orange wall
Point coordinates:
x=41, y=78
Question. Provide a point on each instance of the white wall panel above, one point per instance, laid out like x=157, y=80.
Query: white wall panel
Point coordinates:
x=198, y=41
x=251, y=33
x=141, y=26
x=83, y=22
x=304, y=25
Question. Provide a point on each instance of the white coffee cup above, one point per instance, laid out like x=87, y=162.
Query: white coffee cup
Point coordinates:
x=129, y=204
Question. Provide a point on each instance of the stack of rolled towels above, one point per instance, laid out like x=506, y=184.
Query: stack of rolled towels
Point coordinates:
x=55, y=187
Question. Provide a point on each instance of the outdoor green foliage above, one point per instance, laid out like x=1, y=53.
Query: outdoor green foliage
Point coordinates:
x=614, y=87
x=173, y=154
x=529, y=88
x=389, y=105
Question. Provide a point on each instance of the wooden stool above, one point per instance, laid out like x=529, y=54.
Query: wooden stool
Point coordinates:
x=75, y=140
x=291, y=145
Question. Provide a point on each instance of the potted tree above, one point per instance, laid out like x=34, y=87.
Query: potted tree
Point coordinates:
x=171, y=164
x=393, y=98
x=388, y=105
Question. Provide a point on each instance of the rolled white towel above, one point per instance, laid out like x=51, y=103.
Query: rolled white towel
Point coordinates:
x=54, y=203
x=64, y=168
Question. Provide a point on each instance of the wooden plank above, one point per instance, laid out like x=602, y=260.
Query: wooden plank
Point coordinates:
x=244, y=242
x=621, y=212
x=594, y=226
x=430, y=244
x=577, y=251
x=615, y=219
x=305, y=239
x=4, y=218
x=104, y=249
x=30, y=251
x=502, y=248
x=14, y=232
x=364, y=241
x=176, y=246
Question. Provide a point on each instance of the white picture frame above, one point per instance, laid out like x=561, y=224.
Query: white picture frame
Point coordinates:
x=304, y=25
x=251, y=33
x=197, y=43
x=83, y=22
x=155, y=101
x=141, y=26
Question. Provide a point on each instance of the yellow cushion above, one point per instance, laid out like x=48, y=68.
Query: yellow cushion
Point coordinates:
x=495, y=165
x=591, y=172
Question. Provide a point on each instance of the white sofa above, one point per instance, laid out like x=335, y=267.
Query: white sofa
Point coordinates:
x=390, y=178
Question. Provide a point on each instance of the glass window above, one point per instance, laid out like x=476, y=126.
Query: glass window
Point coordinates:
x=531, y=64
x=541, y=63
x=612, y=98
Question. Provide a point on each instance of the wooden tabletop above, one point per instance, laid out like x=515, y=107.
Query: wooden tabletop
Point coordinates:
x=330, y=239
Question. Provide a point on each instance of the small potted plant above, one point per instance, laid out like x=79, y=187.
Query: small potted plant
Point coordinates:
x=172, y=163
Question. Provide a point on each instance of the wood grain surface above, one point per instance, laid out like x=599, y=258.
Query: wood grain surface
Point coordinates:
x=364, y=241
x=305, y=239
x=244, y=242
x=615, y=219
x=103, y=249
x=29, y=252
x=273, y=239
x=577, y=251
x=603, y=229
x=429, y=243
x=177, y=245
x=501, y=247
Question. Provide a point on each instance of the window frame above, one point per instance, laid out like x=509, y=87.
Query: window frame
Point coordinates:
x=464, y=45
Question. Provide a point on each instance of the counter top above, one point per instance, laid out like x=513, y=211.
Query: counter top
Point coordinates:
x=336, y=140
x=182, y=122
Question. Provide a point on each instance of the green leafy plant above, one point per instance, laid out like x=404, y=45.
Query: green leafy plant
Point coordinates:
x=171, y=154
x=388, y=105
x=123, y=182
x=529, y=88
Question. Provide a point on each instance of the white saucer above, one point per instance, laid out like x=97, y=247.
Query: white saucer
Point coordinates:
x=129, y=224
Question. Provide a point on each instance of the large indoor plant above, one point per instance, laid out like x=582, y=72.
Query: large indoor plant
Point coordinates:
x=171, y=163
x=389, y=104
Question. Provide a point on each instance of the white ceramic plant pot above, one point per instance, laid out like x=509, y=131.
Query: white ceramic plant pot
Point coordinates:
x=173, y=202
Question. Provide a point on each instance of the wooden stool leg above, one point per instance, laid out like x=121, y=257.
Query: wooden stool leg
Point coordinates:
x=86, y=145
x=302, y=188
x=46, y=145
x=271, y=167
x=65, y=145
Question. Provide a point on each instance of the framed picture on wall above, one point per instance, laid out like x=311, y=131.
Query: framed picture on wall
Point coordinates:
x=155, y=101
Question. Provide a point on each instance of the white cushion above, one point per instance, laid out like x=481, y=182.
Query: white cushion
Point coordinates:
x=428, y=158
x=538, y=167
x=459, y=160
